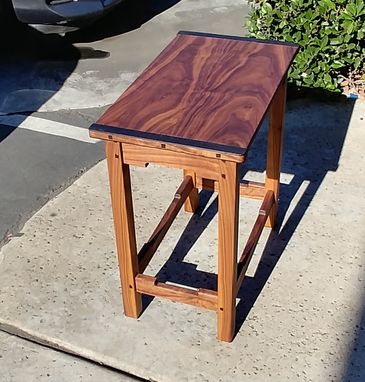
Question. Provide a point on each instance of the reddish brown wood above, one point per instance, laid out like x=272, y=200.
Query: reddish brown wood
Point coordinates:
x=177, y=148
x=192, y=202
x=274, y=148
x=253, y=239
x=204, y=91
x=203, y=298
x=249, y=189
x=228, y=203
x=149, y=249
x=205, y=167
x=122, y=205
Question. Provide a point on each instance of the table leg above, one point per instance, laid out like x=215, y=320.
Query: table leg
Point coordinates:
x=122, y=205
x=274, y=149
x=192, y=202
x=228, y=201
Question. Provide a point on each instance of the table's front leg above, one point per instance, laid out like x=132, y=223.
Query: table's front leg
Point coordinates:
x=274, y=148
x=122, y=205
x=228, y=202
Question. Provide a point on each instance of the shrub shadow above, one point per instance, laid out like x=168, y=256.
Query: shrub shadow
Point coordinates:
x=354, y=370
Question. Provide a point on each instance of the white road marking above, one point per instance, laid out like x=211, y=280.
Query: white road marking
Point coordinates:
x=47, y=127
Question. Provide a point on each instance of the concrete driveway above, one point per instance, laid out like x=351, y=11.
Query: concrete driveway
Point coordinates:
x=301, y=309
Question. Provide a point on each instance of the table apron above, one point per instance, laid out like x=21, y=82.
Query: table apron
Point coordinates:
x=141, y=155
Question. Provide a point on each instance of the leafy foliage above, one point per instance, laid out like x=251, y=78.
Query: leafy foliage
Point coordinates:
x=330, y=33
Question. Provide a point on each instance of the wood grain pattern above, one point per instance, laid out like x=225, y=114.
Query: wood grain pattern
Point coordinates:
x=148, y=250
x=228, y=200
x=209, y=90
x=254, y=237
x=274, y=148
x=252, y=190
x=192, y=202
x=122, y=205
x=205, y=167
x=203, y=298
x=249, y=189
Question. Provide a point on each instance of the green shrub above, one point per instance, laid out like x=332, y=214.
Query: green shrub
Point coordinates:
x=330, y=33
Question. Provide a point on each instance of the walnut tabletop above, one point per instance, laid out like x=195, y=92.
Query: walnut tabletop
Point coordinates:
x=204, y=91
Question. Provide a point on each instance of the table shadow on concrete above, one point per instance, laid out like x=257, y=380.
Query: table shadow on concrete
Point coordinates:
x=308, y=155
x=318, y=126
x=354, y=368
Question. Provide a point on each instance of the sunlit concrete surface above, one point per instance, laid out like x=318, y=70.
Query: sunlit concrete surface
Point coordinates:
x=301, y=309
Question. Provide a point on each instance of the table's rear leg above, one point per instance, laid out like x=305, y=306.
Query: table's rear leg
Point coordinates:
x=274, y=148
x=228, y=201
x=192, y=202
x=122, y=205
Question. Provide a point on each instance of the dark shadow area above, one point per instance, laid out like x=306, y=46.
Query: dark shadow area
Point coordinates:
x=178, y=271
x=127, y=16
x=314, y=137
x=315, y=94
x=5, y=131
x=25, y=42
x=33, y=68
x=354, y=370
x=310, y=152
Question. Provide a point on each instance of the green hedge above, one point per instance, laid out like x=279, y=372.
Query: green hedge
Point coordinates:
x=330, y=33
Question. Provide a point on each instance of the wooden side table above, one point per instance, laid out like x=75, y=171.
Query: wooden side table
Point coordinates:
x=197, y=107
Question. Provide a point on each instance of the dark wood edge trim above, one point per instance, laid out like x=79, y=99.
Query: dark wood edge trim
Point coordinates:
x=238, y=38
x=254, y=237
x=167, y=138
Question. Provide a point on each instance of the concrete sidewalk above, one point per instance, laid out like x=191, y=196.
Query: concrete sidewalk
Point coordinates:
x=301, y=308
x=22, y=360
